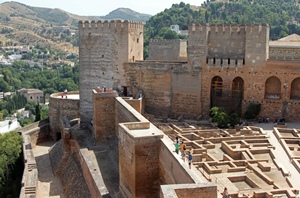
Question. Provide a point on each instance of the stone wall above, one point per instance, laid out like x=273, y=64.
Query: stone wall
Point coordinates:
x=168, y=89
x=137, y=104
x=29, y=182
x=103, y=48
x=74, y=166
x=255, y=87
x=104, y=115
x=59, y=107
x=284, y=53
x=168, y=50
x=189, y=190
x=138, y=159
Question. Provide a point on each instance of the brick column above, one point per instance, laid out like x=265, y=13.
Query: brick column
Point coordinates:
x=104, y=115
x=139, y=159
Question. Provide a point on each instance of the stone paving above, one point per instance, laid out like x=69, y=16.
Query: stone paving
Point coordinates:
x=48, y=184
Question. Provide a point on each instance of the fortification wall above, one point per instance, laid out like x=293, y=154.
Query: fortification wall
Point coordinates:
x=227, y=41
x=103, y=48
x=228, y=45
x=104, y=115
x=168, y=50
x=59, y=107
x=30, y=174
x=168, y=88
x=197, y=46
x=257, y=44
x=255, y=87
x=284, y=53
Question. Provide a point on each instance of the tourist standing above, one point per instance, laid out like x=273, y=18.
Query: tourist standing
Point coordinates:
x=182, y=150
x=225, y=193
x=177, y=144
x=190, y=158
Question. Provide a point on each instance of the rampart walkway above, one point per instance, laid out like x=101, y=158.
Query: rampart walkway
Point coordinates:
x=48, y=184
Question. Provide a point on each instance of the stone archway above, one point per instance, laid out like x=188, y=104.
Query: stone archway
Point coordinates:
x=295, y=89
x=273, y=88
x=227, y=95
x=237, y=95
x=216, y=91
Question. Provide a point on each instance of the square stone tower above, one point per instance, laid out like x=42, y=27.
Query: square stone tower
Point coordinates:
x=103, y=48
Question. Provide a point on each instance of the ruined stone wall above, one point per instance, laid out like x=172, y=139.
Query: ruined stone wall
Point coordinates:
x=104, y=115
x=255, y=87
x=284, y=53
x=103, y=48
x=167, y=50
x=59, y=107
x=168, y=88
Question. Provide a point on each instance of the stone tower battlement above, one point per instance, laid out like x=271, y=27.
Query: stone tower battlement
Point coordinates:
x=229, y=28
x=108, y=25
x=103, y=48
x=249, y=43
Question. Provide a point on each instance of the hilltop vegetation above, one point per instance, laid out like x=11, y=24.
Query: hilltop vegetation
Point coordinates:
x=282, y=15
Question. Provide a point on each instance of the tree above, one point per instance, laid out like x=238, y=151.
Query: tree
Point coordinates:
x=10, y=144
x=37, y=112
x=234, y=119
x=220, y=116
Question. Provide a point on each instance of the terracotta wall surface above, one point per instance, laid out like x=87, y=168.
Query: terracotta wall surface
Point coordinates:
x=255, y=87
x=104, y=115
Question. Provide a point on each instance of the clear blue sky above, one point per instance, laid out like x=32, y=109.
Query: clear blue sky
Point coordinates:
x=103, y=7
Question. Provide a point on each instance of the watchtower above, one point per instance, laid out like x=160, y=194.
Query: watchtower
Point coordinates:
x=103, y=48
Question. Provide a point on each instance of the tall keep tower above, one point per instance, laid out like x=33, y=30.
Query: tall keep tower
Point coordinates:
x=103, y=48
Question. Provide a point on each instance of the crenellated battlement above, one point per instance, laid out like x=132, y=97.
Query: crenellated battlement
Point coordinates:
x=110, y=24
x=166, y=40
x=198, y=27
x=228, y=28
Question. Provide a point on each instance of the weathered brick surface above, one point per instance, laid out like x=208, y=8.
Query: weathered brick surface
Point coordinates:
x=167, y=50
x=103, y=48
x=104, y=115
x=59, y=107
x=167, y=87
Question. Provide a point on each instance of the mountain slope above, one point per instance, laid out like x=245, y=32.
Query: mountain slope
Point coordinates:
x=126, y=14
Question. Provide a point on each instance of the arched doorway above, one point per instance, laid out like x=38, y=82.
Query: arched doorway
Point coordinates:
x=273, y=88
x=227, y=95
x=237, y=95
x=216, y=91
x=295, y=89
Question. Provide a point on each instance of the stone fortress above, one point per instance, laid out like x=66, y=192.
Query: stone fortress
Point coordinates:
x=117, y=144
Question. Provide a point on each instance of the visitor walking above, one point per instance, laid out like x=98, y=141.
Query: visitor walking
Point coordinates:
x=177, y=144
x=182, y=150
x=190, y=158
x=225, y=193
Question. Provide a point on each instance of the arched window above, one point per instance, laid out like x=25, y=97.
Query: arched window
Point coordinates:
x=216, y=86
x=238, y=87
x=295, y=89
x=273, y=88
